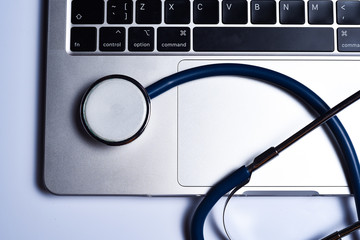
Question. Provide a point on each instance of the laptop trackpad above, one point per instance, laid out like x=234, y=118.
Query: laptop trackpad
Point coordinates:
x=224, y=122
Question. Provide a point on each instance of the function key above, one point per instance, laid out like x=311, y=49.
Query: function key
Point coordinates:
x=348, y=12
x=112, y=39
x=234, y=12
x=148, y=11
x=320, y=12
x=206, y=11
x=173, y=39
x=177, y=12
x=83, y=39
x=87, y=12
x=141, y=39
x=120, y=12
x=263, y=12
x=292, y=12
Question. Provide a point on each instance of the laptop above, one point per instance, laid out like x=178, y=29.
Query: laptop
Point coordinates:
x=203, y=130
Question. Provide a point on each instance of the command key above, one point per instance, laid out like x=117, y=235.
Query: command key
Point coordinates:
x=348, y=39
x=174, y=39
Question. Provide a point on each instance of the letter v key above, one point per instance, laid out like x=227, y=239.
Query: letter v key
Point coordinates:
x=234, y=11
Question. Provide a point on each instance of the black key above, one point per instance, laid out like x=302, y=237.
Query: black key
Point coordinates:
x=176, y=39
x=83, y=39
x=263, y=39
x=263, y=12
x=320, y=12
x=292, y=12
x=206, y=11
x=148, y=11
x=177, y=12
x=234, y=12
x=112, y=39
x=120, y=12
x=348, y=39
x=87, y=12
x=141, y=39
x=348, y=12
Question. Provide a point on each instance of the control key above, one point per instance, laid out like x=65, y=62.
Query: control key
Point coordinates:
x=112, y=39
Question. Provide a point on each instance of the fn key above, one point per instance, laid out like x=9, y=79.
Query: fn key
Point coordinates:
x=83, y=39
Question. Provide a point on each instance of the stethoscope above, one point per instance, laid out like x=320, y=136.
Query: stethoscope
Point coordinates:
x=116, y=109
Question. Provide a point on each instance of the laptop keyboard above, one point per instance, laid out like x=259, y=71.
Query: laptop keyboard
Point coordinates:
x=212, y=26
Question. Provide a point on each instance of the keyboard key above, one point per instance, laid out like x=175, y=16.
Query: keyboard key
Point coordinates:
x=173, y=39
x=177, y=12
x=83, y=39
x=348, y=12
x=320, y=12
x=141, y=39
x=263, y=12
x=120, y=12
x=263, y=39
x=148, y=11
x=112, y=39
x=292, y=12
x=87, y=12
x=206, y=11
x=234, y=12
x=348, y=39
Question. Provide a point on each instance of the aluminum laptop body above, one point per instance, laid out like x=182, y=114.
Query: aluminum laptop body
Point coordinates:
x=202, y=130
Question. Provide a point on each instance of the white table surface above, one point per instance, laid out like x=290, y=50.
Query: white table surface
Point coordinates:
x=29, y=212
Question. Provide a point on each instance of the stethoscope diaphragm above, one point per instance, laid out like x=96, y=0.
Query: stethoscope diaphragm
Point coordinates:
x=115, y=109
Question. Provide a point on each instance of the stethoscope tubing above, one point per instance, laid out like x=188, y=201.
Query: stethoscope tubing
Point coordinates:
x=242, y=175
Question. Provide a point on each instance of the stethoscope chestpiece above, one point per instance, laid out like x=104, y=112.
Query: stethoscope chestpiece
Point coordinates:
x=115, y=110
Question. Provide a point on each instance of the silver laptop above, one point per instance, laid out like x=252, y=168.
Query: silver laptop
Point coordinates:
x=202, y=130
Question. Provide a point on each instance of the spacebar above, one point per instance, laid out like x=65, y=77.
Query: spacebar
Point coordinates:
x=263, y=39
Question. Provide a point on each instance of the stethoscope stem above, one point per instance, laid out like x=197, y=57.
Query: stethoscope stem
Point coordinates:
x=274, y=151
x=344, y=232
x=318, y=121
